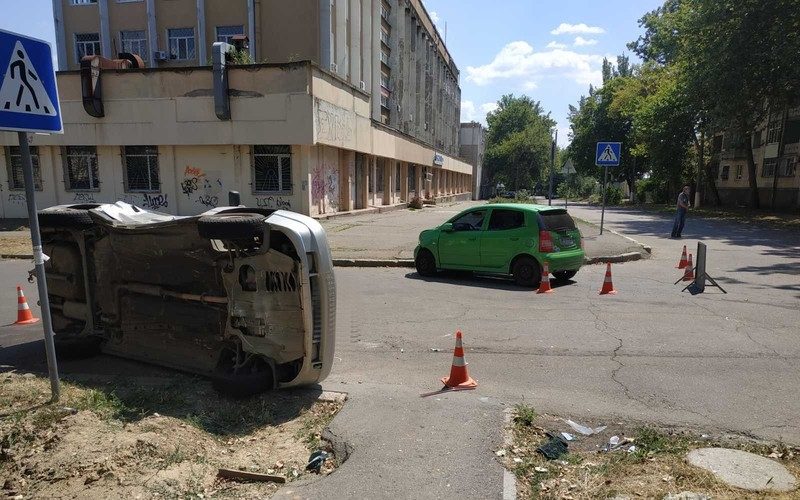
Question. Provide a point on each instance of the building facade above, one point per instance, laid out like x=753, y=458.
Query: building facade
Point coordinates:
x=354, y=105
x=472, y=147
x=776, y=150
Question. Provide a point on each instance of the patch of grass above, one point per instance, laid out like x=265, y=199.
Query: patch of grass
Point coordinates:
x=314, y=420
x=524, y=415
x=175, y=456
x=104, y=404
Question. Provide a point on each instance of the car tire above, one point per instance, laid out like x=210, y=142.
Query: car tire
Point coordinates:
x=231, y=226
x=564, y=276
x=425, y=263
x=254, y=377
x=77, y=347
x=526, y=272
x=65, y=218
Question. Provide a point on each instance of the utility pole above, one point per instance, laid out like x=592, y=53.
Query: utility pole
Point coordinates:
x=552, y=168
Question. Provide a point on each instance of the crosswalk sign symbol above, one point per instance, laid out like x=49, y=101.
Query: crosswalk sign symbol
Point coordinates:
x=28, y=94
x=608, y=154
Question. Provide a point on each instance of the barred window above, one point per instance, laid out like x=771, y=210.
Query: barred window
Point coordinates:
x=134, y=42
x=84, y=2
x=788, y=166
x=768, y=170
x=226, y=33
x=16, y=179
x=80, y=168
x=774, y=131
x=87, y=44
x=726, y=169
x=272, y=169
x=141, y=169
x=738, y=172
x=181, y=43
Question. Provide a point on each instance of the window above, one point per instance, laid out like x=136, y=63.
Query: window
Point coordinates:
x=87, y=44
x=134, y=42
x=16, y=179
x=226, y=33
x=471, y=221
x=385, y=81
x=141, y=169
x=502, y=220
x=396, y=176
x=84, y=2
x=385, y=101
x=774, y=132
x=379, y=176
x=181, y=43
x=412, y=177
x=384, y=57
x=739, y=172
x=80, y=173
x=788, y=166
x=768, y=170
x=726, y=171
x=272, y=169
x=557, y=220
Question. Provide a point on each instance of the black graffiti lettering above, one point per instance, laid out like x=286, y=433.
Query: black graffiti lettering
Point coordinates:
x=84, y=198
x=209, y=201
x=155, y=201
x=189, y=185
x=17, y=198
x=274, y=202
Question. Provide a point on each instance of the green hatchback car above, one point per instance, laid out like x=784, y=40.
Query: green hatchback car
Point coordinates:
x=510, y=239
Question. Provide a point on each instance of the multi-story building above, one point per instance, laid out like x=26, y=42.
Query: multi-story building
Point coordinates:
x=344, y=105
x=472, y=144
x=776, y=148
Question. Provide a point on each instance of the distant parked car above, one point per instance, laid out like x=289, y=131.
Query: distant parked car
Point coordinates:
x=509, y=239
x=244, y=296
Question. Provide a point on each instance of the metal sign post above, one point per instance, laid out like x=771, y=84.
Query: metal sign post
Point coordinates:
x=29, y=103
x=567, y=169
x=552, y=168
x=607, y=155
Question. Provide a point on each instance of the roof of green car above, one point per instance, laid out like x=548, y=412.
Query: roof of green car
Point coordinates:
x=523, y=206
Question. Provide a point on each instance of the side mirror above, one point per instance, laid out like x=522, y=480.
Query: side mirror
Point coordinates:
x=447, y=227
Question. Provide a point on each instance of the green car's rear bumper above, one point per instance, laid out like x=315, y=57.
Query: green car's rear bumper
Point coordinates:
x=570, y=260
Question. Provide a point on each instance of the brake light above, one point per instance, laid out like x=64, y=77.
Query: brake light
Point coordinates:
x=545, y=242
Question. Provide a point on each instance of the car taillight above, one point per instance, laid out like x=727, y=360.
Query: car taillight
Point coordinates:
x=545, y=242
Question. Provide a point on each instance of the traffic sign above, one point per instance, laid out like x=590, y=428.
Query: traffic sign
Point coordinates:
x=608, y=154
x=568, y=167
x=28, y=92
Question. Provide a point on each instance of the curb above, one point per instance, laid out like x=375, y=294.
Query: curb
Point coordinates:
x=647, y=248
x=614, y=259
x=16, y=256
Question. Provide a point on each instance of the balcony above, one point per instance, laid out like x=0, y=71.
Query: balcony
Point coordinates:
x=385, y=13
x=385, y=58
x=791, y=149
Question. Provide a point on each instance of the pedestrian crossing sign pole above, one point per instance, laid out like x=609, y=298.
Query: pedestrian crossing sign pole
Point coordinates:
x=29, y=103
x=607, y=154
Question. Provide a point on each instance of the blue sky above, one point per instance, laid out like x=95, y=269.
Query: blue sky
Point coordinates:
x=548, y=50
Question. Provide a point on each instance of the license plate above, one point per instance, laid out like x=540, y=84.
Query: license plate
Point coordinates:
x=567, y=242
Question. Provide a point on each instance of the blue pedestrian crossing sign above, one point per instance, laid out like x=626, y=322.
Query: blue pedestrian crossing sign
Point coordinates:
x=608, y=154
x=28, y=92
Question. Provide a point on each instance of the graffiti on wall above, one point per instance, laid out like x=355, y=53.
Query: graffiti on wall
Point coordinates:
x=201, y=187
x=84, y=198
x=278, y=202
x=325, y=187
x=17, y=198
x=154, y=201
x=334, y=124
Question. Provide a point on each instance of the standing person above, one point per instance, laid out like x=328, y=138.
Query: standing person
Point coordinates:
x=680, y=216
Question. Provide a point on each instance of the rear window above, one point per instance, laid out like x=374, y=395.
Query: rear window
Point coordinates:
x=557, y=220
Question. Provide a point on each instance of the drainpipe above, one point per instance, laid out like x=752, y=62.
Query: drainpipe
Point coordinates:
x=325, y=34
x=251, y=28
x=201, y=32
x=105, y=33
x=152, y=36
x=61, y=43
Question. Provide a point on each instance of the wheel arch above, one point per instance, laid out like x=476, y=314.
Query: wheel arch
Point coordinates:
x=519, y=256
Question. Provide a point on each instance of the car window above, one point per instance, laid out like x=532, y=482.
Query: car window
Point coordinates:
x=557, y=220
x=470, y=221
x=502, y=220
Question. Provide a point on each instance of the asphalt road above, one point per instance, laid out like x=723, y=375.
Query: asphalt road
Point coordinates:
x=714, y=362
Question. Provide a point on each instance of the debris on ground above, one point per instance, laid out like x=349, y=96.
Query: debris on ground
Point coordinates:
x=586, y=431
x=568, y=436
x=316, y=460
x=553, y=448
x=250, y=476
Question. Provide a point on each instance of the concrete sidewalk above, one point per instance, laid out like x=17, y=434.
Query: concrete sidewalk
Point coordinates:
x=393, y=236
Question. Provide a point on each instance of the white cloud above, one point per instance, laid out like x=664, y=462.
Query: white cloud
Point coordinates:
x=518, y=60
x=488, y=107
x=556, y=45
x=582, y=42
x=467, y=111
x=472, y=113
x=530, y=85
x=435, y=17
x=572, y=29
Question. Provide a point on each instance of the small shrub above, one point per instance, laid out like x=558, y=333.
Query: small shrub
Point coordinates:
x=524, y=415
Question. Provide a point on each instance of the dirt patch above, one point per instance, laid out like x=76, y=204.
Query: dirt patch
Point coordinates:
x=15, y=245
x=655, y=467
x=156, y=438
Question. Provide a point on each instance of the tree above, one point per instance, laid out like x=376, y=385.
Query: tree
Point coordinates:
x=518, y=142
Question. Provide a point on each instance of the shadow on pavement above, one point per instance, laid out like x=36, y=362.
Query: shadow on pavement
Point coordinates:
x=468, y=278
x=132, y=391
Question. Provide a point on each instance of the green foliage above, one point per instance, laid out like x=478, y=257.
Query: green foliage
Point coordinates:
x=614, y=195
x=524, y=415
x=577, y=187
x=655, y=188
x=518, y=143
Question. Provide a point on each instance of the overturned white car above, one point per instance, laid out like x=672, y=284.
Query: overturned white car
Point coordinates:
x=244, y=296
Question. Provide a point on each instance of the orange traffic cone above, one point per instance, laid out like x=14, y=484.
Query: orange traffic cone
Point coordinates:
x=459, y=378
x=683, y=263
x=24, y=314
x=544, y=283
x=688, y=274
x=608, y=286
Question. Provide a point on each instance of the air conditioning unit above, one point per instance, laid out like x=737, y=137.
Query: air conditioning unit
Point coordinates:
x=362, y=85
x=334, y=67
x=160, y=55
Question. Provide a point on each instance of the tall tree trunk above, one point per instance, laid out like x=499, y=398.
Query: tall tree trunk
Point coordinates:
x=751, y=172
x=778, y=163
x=700, y=146
x=712, y=184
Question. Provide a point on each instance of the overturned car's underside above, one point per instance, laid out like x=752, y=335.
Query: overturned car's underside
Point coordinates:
x=244, y=296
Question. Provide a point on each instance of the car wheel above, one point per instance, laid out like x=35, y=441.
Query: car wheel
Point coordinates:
x=77, y=347
x=563, y=276
x=425, y=263
x=231, y=226
x=66, y=218
x=241, y=378
x=526, y=272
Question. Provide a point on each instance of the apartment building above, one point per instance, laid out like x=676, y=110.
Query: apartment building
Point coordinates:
x=472, y=144
x=776, y=148
x=343, y=105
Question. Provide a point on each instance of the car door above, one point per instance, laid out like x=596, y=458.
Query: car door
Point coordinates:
x=505, y=237
x=460, y=248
